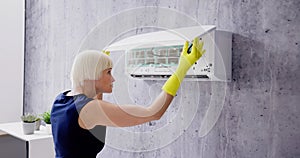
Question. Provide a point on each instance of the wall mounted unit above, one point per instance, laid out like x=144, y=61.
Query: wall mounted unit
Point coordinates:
x=155, y=55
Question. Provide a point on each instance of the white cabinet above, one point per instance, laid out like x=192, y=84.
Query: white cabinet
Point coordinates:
x=38, y=145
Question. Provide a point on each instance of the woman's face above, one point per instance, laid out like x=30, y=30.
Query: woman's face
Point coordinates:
x=105, y=83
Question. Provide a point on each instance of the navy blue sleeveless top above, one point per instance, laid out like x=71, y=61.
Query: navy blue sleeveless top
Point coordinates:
x=70, y=140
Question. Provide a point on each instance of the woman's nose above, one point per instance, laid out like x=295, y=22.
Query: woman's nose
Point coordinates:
x=113, y=79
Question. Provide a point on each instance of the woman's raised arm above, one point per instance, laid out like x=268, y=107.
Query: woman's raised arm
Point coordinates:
x=98, y=112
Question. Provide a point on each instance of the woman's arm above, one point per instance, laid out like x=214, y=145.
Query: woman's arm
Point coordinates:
x=98, y=112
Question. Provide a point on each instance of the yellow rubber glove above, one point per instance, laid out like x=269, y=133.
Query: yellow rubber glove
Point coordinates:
x=185, y=62
x=106, y=52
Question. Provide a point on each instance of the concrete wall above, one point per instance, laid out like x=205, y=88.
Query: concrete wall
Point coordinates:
x=260, y=107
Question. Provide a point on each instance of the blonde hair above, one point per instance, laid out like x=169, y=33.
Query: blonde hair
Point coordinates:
x=88, y=65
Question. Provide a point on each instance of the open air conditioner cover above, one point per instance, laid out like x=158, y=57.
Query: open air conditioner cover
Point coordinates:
x=167, y=37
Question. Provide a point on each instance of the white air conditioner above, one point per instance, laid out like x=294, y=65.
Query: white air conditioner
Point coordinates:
x=155, y=55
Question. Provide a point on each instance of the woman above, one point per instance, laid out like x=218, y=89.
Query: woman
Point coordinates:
x=75, y=113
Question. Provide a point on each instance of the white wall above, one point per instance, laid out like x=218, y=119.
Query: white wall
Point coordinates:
x=11, y=59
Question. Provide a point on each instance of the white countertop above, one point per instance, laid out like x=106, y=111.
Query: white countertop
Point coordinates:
x=15, y=129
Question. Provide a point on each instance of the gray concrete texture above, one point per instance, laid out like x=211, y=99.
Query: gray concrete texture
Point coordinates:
x=260, y=108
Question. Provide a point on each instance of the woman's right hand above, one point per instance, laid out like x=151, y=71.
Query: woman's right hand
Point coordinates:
x=185, y=62
x=188, y=59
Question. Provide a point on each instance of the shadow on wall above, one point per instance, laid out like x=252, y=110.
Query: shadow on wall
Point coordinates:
x=259, y=66
x=248, y=62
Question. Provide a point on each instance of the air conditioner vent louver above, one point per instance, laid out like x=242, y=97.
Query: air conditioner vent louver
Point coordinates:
x=167, y=76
